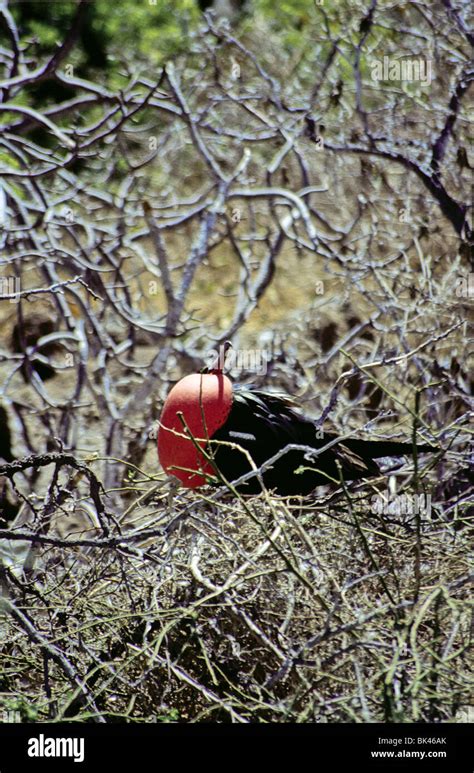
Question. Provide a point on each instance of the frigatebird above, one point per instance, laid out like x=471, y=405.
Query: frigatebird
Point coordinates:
x=208, y=426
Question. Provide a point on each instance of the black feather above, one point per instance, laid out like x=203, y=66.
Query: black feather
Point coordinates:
x=263, y=424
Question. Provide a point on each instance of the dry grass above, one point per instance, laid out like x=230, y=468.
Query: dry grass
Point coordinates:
x=224, y=610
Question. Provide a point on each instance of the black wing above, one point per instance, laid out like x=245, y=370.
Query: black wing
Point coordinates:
x=263, y=424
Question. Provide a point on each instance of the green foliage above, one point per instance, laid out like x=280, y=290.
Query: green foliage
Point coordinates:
x=154, y=30
x=47, y=24
x=172, y=715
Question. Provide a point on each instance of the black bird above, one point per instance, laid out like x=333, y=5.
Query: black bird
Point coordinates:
x=232, y=424
x=263, y=424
